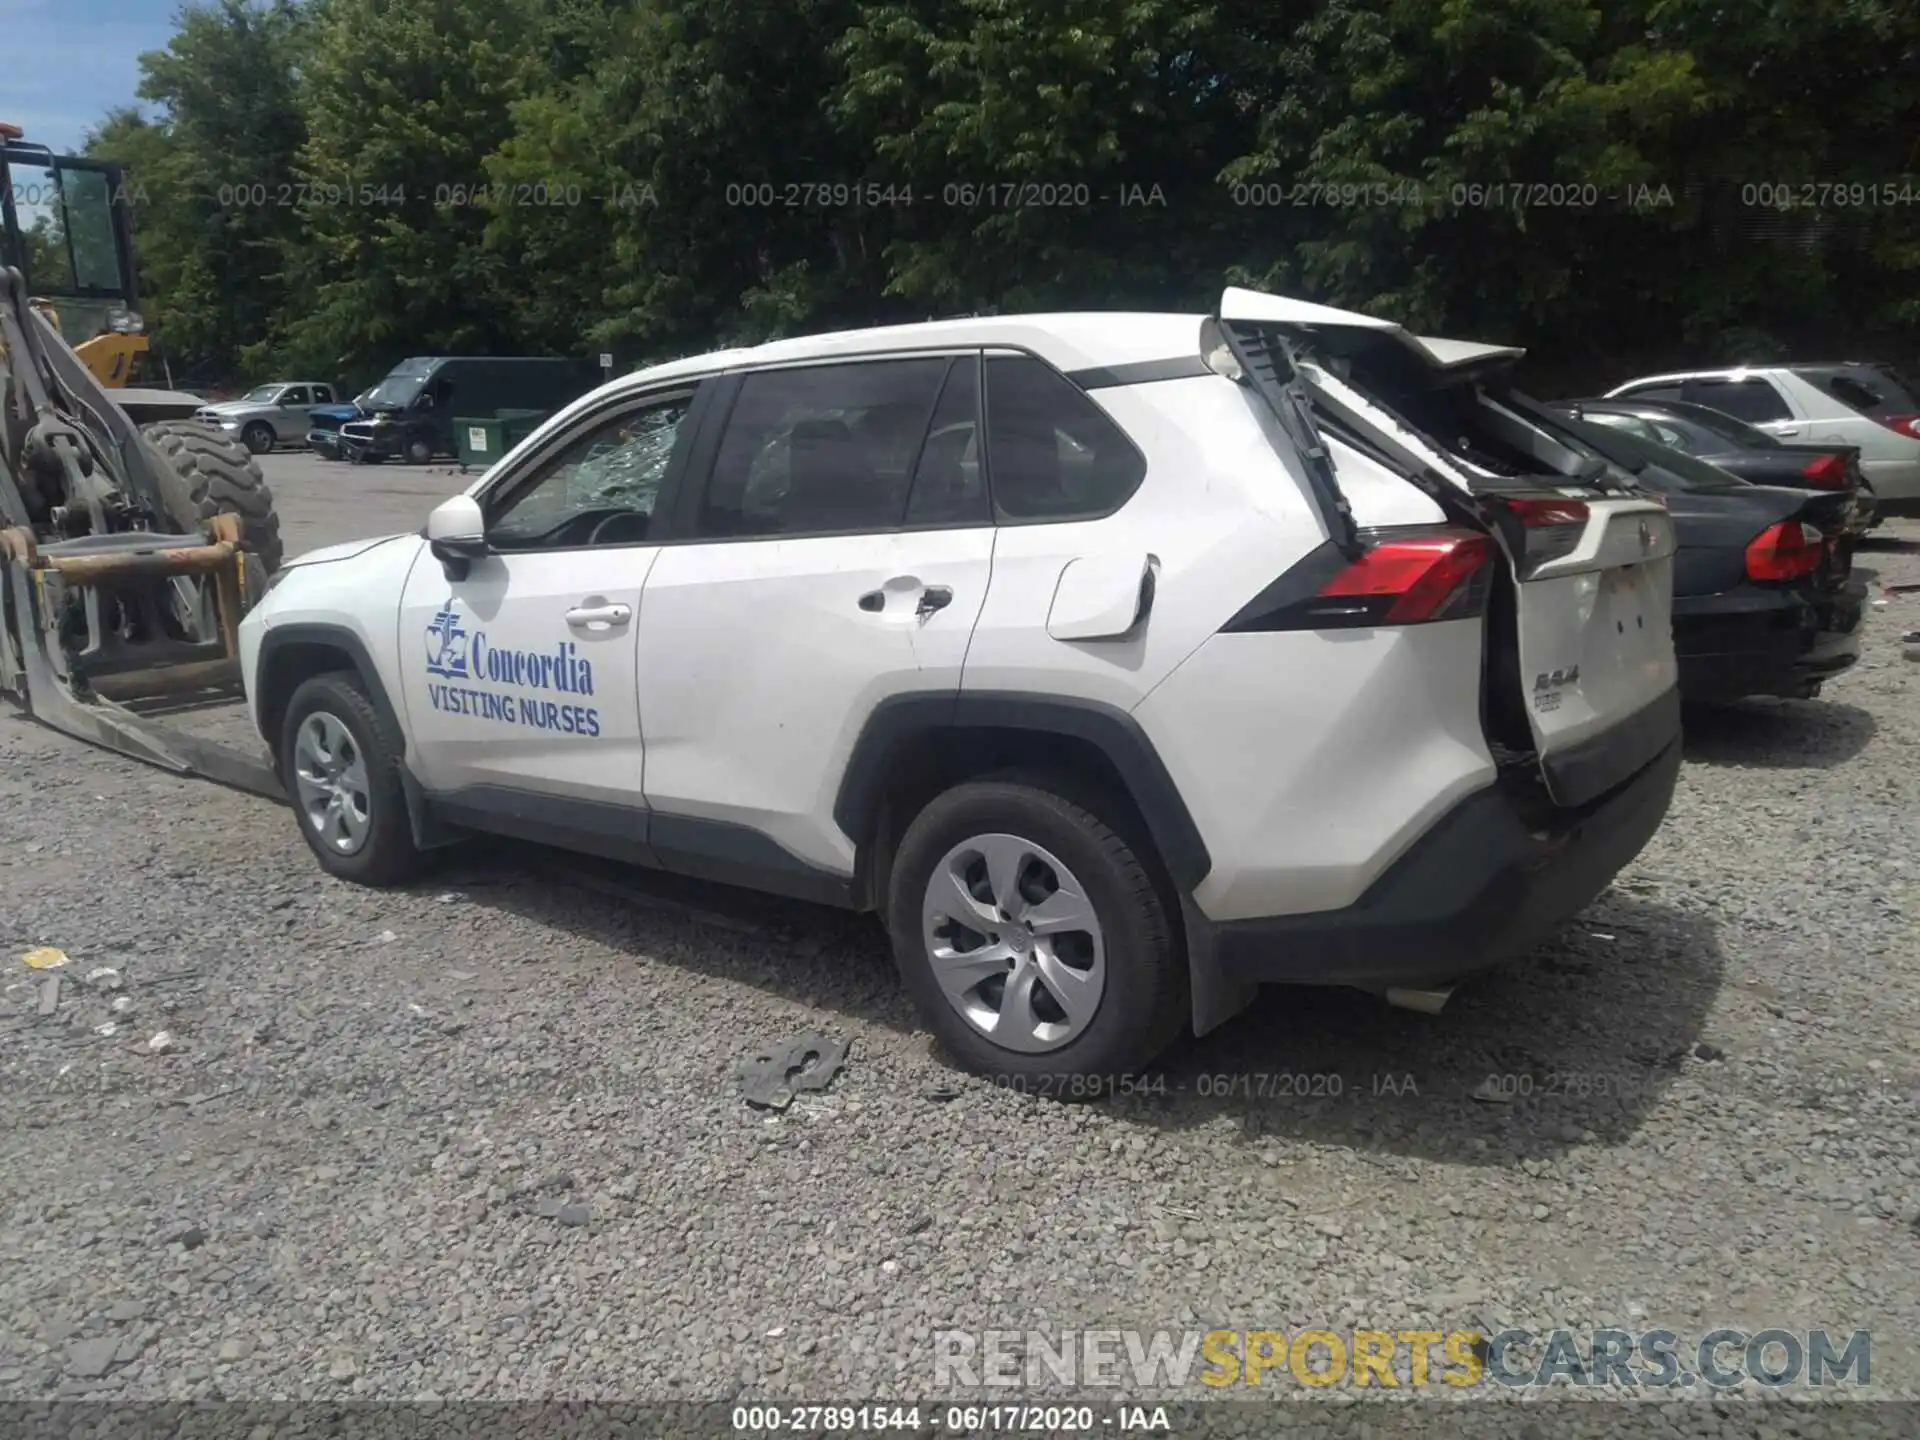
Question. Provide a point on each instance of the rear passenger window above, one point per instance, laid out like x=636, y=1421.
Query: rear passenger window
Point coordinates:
x=949, y=485
x=1614, y=420
x=1755, y=401
x=821, y=450
x=1855, y=395
x=1654, y=392
x=1052, y=454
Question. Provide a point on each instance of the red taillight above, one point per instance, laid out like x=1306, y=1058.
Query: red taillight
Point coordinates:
x=1907, y=425
x=1785, y=552
x=1411, y=579
x=1553, y=526
x=1829, y=472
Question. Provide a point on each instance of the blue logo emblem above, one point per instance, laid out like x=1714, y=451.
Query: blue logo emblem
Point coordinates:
x=447, y=645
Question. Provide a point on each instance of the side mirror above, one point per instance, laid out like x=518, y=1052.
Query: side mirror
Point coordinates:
x=456, y=533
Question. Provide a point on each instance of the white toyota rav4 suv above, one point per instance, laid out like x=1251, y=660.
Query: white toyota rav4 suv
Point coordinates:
x=1122, y=662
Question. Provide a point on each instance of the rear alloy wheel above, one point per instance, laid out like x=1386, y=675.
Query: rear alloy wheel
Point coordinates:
x=341, y=768
x=1014, y=942
x=258, y=437
x=1033, y=939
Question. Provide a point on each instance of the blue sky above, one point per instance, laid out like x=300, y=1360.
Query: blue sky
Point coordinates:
x=71, y=61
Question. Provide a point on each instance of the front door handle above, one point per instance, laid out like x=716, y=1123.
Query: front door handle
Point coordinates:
x=930, y=598
x=599, y=616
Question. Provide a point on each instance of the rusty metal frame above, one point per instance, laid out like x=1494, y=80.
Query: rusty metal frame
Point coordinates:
x=88, y=706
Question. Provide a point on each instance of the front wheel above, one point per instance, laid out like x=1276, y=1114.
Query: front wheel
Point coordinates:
x=258, y=437
x=1033, y=939
x=340, y=765
x=419, y=452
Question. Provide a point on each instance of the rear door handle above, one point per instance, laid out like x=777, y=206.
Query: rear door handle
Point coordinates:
x=603, y=615
x=934, y=597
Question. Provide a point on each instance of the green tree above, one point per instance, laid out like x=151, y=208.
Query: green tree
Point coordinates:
x=996, y=111
x=207, y=179
x=704, y=133
x=404, y=101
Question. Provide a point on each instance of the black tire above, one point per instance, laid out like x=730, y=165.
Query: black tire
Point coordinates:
x=257, y=437
x=419, y=452
x=388, y=855
x=211, y=475
x=1144, y=1005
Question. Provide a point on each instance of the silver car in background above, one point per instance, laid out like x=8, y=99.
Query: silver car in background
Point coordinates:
x=268, y=415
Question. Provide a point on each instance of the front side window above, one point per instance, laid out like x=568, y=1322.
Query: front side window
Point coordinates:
x=1755, y=401
x=599, y=489
x=1052, y=454
x=821, y=450
x=294, y=395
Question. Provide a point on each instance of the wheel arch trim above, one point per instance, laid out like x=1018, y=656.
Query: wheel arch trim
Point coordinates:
x=900, y=721
x=427, y=832
x=281, y=638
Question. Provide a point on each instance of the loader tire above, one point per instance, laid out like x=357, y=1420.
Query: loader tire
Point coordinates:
x=210, y=475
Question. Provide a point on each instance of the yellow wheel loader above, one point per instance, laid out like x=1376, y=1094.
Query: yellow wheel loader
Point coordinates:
x=132, y=536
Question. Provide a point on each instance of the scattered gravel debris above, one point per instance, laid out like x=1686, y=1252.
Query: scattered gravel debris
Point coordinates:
x=549, y=1185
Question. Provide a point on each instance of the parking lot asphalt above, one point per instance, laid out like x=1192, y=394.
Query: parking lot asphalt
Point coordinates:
x=327, y=502
x=484, y=1137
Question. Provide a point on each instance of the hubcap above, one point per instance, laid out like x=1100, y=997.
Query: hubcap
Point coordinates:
x=330, y=772
x=1014, y=943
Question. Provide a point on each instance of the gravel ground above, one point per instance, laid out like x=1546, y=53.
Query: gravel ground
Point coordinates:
x=484, y=1137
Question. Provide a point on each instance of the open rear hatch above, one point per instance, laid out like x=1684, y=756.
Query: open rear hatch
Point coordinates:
x=1580, y=668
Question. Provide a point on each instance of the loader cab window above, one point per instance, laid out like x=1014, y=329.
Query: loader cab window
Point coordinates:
x=89, y=210
x=62, y=228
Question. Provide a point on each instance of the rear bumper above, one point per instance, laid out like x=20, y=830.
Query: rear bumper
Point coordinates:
x=1489, y=881
x=1754, y=641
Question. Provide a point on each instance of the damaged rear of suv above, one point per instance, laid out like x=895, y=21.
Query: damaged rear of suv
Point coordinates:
x=1444, y=729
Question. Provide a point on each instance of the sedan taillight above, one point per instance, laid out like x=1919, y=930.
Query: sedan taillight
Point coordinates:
x=1785, y=551
x=1829, y=472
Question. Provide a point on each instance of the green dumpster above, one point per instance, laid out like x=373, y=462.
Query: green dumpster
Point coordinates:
x=520, y=423
x=480, y=440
